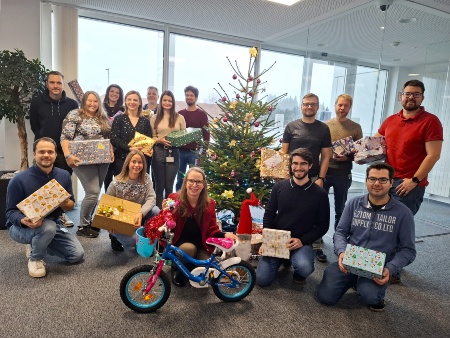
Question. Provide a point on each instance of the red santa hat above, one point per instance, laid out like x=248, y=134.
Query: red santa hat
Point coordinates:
x=245, y=218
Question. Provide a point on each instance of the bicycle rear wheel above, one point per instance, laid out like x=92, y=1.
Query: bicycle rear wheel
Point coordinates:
x=132, y=290
x=244, y=273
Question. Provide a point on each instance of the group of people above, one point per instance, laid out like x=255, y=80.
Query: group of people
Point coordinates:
x=380, y=220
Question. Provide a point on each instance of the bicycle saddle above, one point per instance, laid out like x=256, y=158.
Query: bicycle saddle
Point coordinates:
x=224, y=244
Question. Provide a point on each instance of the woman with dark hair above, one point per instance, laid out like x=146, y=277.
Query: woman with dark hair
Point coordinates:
x=135, y=185
x=124, y=128
x=113, y=105
x=90, y=122
x=195, y=217
x=166, y=159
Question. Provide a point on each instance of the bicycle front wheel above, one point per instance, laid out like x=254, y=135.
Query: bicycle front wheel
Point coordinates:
x=132, y=290
x=244, y=273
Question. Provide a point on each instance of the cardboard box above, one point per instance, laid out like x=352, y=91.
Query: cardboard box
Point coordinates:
x=116, y=214
x=91, y=151
x=43, y=201
x=364, y=262
x=274, y=164
x=344, y=146
x=370, y=149
x=274, y=243
x=185, y=136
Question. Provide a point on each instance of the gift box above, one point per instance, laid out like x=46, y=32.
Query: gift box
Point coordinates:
x=364, y=262
x=274, y=164
x=182, y=137
x=144, y=141
x=116, y=214
x=370, y=149
x=344, y=146
x=91, y=151
x=275, y=243
x=76, y=90
x=43, y=201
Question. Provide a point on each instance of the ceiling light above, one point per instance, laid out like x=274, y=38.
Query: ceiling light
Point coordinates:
x=285, y=2
x=399, y=59
x=322, y=45
x=381, y=27
x=395, y=43
x=407, y=20
x=414, y=74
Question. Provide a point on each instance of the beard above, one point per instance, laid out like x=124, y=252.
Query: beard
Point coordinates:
x=299, y=175
x=190, y=104
x=413, y=107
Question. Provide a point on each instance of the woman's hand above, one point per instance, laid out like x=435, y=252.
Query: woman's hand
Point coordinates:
x=162, y=140
x=135, y=148
x=232, y=236
x=138, y=220
x=72, y=161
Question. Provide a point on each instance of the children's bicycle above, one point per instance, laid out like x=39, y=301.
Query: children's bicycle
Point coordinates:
x=147, y=287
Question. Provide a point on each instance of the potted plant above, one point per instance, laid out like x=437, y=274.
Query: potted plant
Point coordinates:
x=20, y=80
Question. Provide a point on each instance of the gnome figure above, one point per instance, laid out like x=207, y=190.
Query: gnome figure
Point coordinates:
x=244, y=229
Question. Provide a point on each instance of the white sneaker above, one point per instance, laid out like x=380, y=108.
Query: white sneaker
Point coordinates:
x=28, y=250
x=65, y=220
x=36, y=268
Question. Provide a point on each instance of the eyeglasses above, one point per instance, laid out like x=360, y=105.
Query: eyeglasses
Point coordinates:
x=382, y=180
x=312, y=105
x=194, y=182
x=415, y=95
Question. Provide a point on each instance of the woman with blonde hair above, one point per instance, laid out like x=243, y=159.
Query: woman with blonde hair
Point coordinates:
x=90, y=122
x=135, y=185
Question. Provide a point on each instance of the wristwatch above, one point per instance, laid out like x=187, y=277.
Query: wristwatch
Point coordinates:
x=321, y=178
x=415, y=180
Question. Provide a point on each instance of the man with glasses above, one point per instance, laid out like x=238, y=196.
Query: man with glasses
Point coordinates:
x=301, y=207
x=374, y=221
x=413, y=140
x=307, y=132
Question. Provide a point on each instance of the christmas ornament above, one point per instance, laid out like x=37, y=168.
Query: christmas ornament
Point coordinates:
x=233, y=173
x=256, y=124
x=224, y=99
x=250, y=94
x=233, y=104
x=253, y=52
x=228, y=194
x=281, y=140
x=238, y=96
x=250, y=78
x=258, y=81
x=234, y=77
x=232, y=143
x=214, y=157
x=242, y=156
x=248, y=117
x=252, y=154
x=225, y=119
x=270, y=108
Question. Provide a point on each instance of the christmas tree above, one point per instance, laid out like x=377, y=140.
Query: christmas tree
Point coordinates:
x=232, y=161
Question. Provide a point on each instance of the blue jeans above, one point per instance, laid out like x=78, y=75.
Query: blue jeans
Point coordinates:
x=335, y=284
x=302, y=261
x=340, y=185
x=414, y=198
x=52, y=238
x=187, y=158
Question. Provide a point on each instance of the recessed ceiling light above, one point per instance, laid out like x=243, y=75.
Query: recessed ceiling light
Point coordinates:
x=398, y=60
x=414, y=74
x=285, y=2
x=381, y=27
x=407, y=20
x=395, y=43
x=322, y=45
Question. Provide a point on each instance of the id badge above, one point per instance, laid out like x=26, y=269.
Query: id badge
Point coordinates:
x=170, y=159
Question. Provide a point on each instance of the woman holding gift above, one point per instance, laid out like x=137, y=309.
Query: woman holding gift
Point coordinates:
x=196, y=219
x=124, y=128
x=90, y=122
x=135, y=185
x=166, y=159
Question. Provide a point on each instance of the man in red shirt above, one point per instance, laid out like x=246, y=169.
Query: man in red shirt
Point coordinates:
x=414, y=140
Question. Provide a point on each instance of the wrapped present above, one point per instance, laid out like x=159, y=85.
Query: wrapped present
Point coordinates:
x=91, y=151
x=144, y=141
x=148, y=113
x=182, y=137
x=116, y=214
x=275, y=243
x=274, y=164
x=76, y=90
x=370, y=149
x=43, y=201
x=364, y=262
x=344, y=146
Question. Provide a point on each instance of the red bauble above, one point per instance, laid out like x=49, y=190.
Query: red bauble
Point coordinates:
x=258, y=81
x=256, y=124
x=270, y=108
x=242, y=156
x=250, y=94
x=238, y=96
x=224, y=99
x=225, y=119
x=281, y=140
x=250, y=78
x=234, y=77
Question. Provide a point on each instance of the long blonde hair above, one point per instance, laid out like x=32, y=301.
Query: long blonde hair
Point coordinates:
x=105, y=124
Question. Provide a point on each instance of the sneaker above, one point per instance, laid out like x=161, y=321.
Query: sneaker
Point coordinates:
x=28, y=250
x=321, y=257
x=395, y=280
x=298, y=279
x=115, y=244
x=87, y=231
x=36, y=268
x=177, y=277
x=65, y=220
x=378, y=307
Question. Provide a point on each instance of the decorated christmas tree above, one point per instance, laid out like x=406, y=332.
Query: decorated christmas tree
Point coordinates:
x=244, y=126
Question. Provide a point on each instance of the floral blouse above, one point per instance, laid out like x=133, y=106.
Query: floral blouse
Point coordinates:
x=75, y=128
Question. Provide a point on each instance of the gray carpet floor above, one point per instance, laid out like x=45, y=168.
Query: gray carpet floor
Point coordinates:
x=83, y=300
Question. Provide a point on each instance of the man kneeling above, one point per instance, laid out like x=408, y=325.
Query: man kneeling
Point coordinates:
x=374, y=221
x=47, y=235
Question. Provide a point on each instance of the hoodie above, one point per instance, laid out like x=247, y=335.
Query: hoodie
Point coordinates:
x=47, y=115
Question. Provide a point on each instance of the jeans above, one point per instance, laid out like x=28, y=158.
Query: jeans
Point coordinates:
x=340, y=185
x=335, y=284
x=302, y=261
x=52, y=238
x=187, y=158
x=165, y=172
x=414, y=198
x=91, y=177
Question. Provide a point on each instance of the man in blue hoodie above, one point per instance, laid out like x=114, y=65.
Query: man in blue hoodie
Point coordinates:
x=376, y=221
x=47, y=112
